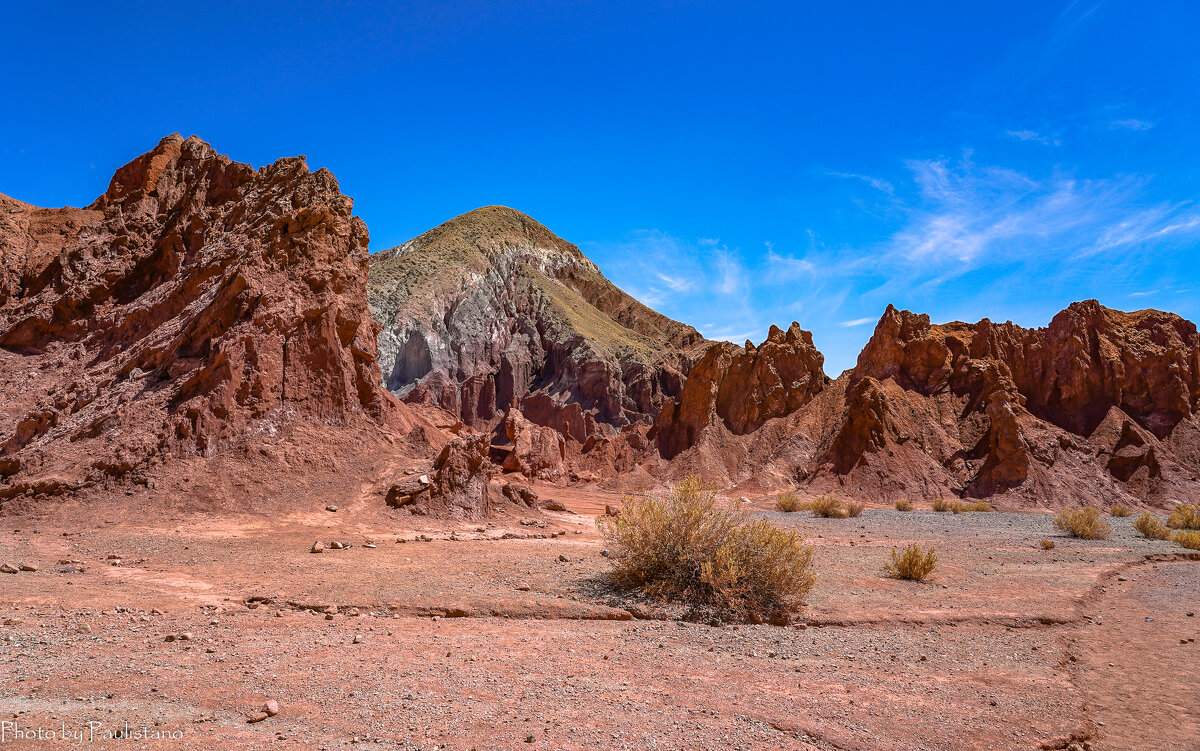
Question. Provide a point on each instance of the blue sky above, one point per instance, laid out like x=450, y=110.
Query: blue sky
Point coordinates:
x=731, y=164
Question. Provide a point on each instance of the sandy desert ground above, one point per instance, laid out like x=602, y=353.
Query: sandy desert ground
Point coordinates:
x=503, y=635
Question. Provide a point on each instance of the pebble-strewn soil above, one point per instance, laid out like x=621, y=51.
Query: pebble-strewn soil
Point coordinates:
x=490, y=641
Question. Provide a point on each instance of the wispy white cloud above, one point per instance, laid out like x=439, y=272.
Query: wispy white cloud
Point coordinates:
x=1144, y=293
x=676, y=283
x=1132, y=124
x=966, y=215
x=856, y=322
x=1033, y=135
x=877, y=183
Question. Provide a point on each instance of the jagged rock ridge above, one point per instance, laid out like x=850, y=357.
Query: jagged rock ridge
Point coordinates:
x=197, y=302
x=1100, y=406
x=491, y=311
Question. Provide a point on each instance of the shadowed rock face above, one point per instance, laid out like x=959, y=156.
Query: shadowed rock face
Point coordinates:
x=743, y=388
x=492, y=311
x=196, y=302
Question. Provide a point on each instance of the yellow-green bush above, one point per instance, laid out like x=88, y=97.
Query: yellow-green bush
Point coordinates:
x=789, y=502
x=904, y=505
x=1119, y=511
x=1084, y=523
x=854, y=508
x=680, y=545
x=1047, y=544
x=1189, y=539
x=1150, y=527
x=941, y=504
x=912, y=564
x=829, y=507
x=1185, y=516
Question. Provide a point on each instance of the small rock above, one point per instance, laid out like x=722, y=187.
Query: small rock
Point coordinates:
x=185, y=636
x=606, y=553
x=357, y=639
x=83, y=628
x=563, y=559
x=169, y=637
x=423, y=479
x=370, y=545
x=523, y=587
x=257, y=717
x=271, y=708
x=28, y=567
x=6, y=568
x=331, y=507
x=317, y=547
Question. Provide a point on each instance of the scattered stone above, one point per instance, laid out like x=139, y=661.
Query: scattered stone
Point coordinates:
x=563, y=559
x=271, y=708
x=257, y=717
x=331, y=507
x=523, y=587
x=185, y=636
x=83, y=628
x=28, y=567
x=357, y=639
x=6, y=568
x=317, y=547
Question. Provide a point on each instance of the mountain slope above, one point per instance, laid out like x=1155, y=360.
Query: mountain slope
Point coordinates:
x=491, y=311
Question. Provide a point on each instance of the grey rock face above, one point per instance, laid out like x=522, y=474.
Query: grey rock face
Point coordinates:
x=491, y=310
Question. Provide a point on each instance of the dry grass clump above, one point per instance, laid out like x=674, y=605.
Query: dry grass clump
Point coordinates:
x=1189, y=539
x=1150, y=527
x=828, y=507
x=1119, y=511
x=1084, y=523
x=958, y=507
x=789, y=502
x=854, y=508
x=679, y=545
x=904, y=505
x=1185, y=516
x=1047, y=544
x=912, y=564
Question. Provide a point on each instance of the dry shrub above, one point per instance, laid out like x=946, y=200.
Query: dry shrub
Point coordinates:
x=1189, y=539
x=1119, y=512
x=912, y=564
x=679, y=545
x=1047, y=544
x=1185, y=516
x=790, y=502
x=1150, y=527
x=904, y=505
x=829, y=507
x=958, y=507
x=1083, y=522
x=854, y=508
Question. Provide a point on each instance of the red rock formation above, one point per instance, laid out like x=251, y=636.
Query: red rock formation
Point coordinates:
x=536, y=451
x=1100, y=406
x=743, y=388
x=197, y=302
x=460, y=486
x=1080, y=407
